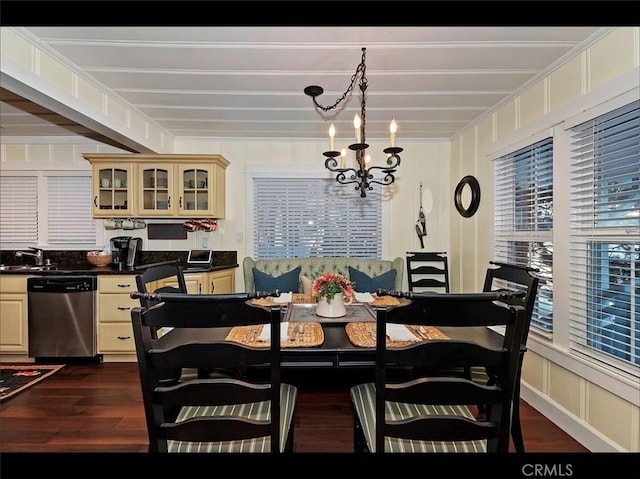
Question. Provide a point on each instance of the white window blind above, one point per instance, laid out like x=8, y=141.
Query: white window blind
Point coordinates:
x=18, y=211
x=523, y=219
x=306, y=217
x=605, y=238
x=69, y=217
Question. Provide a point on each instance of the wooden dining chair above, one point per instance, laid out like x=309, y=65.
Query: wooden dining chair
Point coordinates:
x=437, y=412
x=147, y=280
x=521, y=278
x=428, y=271
x=166, y=277
x=212, y=414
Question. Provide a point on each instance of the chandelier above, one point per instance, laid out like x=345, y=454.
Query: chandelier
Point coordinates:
x=362, y=175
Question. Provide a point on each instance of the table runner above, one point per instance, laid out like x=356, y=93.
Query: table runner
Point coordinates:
x=378, y=302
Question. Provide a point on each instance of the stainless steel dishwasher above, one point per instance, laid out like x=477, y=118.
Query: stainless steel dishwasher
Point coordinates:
x=62, y=317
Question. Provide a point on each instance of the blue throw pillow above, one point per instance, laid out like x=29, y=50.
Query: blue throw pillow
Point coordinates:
x=367, y=284
x=285, y=282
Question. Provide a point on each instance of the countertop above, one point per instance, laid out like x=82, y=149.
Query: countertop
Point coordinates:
x=75, y=263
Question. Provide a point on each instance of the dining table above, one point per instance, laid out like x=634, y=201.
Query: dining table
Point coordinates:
x=327, y=342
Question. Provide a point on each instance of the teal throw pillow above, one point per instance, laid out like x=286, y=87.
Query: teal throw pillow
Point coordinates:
x=366, y=284
x=285, y=282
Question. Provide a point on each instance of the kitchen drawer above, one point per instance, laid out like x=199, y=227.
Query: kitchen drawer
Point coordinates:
x=117, y=283
x=13, y=283
x=115, y=308
x=115, y=338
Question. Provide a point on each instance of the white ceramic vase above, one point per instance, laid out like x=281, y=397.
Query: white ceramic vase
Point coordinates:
x=334, y=309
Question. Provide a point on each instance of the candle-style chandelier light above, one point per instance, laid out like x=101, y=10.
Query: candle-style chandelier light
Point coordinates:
x=362, y=174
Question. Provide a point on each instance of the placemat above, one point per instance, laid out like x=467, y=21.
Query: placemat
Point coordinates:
x=311, y=335
x=382, y=301
x=364, y=335
x=296, y=298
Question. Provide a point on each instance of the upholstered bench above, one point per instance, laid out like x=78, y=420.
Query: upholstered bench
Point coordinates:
x=365, y=272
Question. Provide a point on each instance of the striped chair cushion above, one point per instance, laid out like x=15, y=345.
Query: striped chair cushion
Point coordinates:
x=363, y=397
x=259, y=411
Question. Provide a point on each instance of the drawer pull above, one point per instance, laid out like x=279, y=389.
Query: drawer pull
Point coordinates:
x=124, y=337
x=122, y=308
x=124, y=286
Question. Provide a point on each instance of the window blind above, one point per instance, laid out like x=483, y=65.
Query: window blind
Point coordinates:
x=605, y=238
x=69, y=210
x=305, y=217
x=523, y=219
x=18, y=211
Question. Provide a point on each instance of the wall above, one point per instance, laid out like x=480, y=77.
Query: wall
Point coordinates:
x=598, y=407
x=42, y=157
x=426, y=162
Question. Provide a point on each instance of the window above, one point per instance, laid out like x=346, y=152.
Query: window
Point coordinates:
x=605, y=238
x=69, y=209
x=305, y=217
x=523, y=219
x=42, y=208
x=18, y=211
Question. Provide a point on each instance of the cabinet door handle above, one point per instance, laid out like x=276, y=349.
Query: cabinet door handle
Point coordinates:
x=213, y=286
x=95, y=201
x=124, y=337
x=169, y=202
x=180, y=202
x=124, y=286
x=199, y=288
x=122, y=308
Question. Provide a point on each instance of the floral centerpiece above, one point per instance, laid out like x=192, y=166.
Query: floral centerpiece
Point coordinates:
x=327, y=285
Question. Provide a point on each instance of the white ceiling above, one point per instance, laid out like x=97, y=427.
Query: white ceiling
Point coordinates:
x=248, y=82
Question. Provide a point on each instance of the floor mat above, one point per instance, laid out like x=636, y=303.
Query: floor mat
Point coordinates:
x=16, y=378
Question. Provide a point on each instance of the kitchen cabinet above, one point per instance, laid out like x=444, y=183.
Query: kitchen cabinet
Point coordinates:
x=167, y=186
x=218, y=282
x=112, y=189
x=223, y=281
x=115, y=334
x=13, y=314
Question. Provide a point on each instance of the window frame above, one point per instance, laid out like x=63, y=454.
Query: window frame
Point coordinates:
x=43, y=210
x=542, y=328
x=584, y=238
x=254, y=171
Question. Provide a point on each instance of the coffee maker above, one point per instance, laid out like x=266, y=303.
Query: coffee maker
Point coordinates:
x=126, y=251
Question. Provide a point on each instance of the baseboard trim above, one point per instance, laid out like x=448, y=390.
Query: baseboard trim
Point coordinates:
x=576, y=427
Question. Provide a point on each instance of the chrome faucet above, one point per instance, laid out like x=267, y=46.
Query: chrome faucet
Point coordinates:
x=37, y=253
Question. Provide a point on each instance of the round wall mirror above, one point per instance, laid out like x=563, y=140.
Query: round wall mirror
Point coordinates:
x=467, y=196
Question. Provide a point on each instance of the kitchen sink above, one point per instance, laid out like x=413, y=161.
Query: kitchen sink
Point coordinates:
x=26, y=267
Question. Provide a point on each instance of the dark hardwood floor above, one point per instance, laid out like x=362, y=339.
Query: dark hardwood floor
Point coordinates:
x=98, y=408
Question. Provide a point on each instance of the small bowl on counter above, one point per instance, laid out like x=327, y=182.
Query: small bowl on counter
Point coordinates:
x=99, y=258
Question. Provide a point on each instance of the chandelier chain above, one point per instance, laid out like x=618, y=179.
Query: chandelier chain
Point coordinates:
x=360, y=68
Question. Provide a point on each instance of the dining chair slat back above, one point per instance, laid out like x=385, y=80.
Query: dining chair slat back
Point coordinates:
x=428, y=271
x=171, y=276
x=516, y=277
x=434, y=411
x=215, y=413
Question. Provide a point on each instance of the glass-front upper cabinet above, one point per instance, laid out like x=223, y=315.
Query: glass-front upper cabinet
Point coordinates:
x=202, y=193
x=156, y=190
x=195, y=190
x=158, y=185
x=112, y=190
